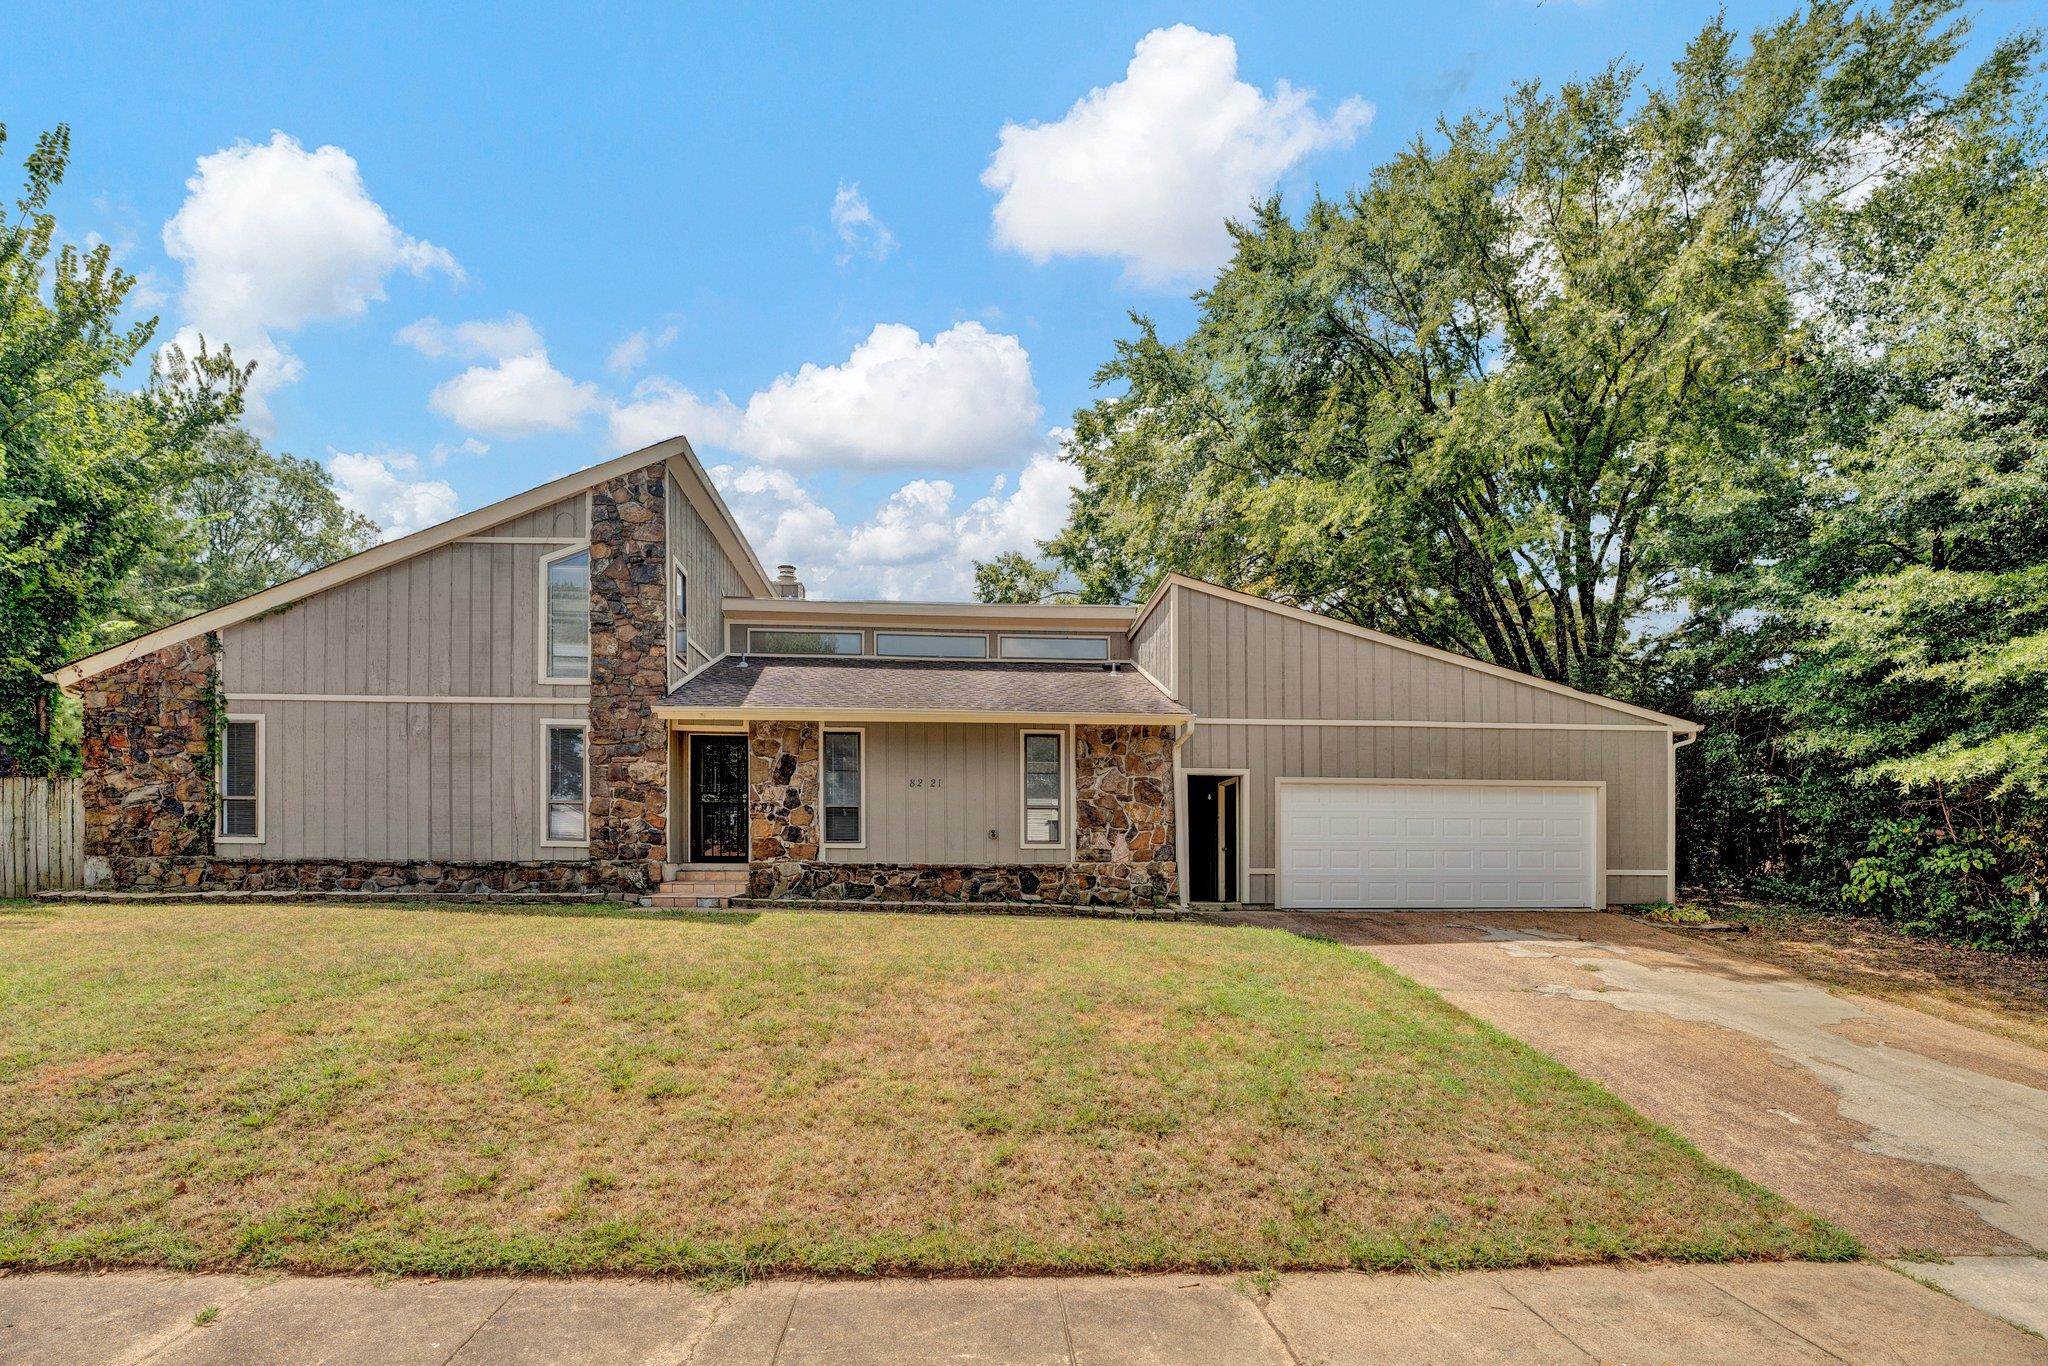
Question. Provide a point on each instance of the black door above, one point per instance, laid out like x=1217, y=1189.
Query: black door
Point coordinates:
x=718, y=798
x=1212, y=838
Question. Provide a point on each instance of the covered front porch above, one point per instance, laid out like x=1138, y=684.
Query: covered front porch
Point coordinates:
x=853, y=780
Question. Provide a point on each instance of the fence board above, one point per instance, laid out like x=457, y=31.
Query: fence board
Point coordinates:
x=42, y=835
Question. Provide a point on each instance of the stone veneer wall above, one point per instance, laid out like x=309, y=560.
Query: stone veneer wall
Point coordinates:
x=203, y=874
x=1124, y=850
x=784, y=778
x=628, y=744
x=147, y=725
x=1123, y=791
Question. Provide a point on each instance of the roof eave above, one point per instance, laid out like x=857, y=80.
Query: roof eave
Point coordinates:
x=1101, y=616
x=933, y=714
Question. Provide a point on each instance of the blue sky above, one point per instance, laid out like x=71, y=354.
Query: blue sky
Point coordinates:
x=480, y=246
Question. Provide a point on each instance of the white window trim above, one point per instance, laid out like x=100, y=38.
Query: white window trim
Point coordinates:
x=1003, y=646
x=1024, y=840
x=564, y=723
x=545, y=677
x=679, y=615
x=875, y=649
x=219, y=774
x=823, y=819
x=814, y=630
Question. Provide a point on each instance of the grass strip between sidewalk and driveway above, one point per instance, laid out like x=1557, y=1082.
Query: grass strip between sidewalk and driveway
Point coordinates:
x=360, y=1088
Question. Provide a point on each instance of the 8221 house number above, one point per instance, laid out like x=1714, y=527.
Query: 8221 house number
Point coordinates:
x=927, y=782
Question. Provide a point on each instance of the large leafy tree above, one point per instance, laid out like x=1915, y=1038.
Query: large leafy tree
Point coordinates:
x=247, y=519
x=1893, y=633
x=1467, y=401
x=85, y=463
x=1015, y=577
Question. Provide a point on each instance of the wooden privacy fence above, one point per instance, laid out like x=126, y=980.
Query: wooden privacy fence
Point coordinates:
x=42, y=835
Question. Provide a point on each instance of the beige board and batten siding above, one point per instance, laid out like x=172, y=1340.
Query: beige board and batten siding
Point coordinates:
x=713, y=578
x=1235, y=662
x=934, y=791
x=402, y=768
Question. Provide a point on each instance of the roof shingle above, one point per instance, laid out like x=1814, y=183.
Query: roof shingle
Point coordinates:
x=782, y=684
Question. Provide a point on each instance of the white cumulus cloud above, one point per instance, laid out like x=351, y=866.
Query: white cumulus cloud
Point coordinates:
x=272, y=237
x=1147, y=170
x=633, y=352
x=381, y=488
x=963, y=399
x=917, y=543
x=521, y=395
x=658, y=409
x=860, y=232
x=495, y=338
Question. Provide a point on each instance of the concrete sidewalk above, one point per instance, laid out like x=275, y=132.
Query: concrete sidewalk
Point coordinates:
x=1780, y=1312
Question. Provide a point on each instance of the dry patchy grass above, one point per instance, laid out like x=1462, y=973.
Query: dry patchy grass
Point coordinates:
x=399, y=1090
x=2001, y=993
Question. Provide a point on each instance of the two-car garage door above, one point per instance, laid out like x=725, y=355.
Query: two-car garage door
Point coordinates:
x=1427, y=846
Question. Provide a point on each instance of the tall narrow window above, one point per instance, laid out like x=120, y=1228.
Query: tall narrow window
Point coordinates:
x=681, y=589
x=241, y=780
x=566, y=806
x=1043, y=803
x=565, y=612
x=843, y=789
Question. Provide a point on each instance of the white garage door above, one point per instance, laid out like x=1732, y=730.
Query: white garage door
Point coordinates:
x=1373, y=846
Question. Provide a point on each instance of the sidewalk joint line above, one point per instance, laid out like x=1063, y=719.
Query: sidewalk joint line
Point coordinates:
x=1259, y=1303
x=192, y=1327
x=516, y=1288
x=782, y=1333
x=1764, y=1314
x=1543, y=1319
x=1059, y=1297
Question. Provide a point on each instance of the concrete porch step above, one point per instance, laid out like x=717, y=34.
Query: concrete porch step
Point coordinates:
x=704, y=887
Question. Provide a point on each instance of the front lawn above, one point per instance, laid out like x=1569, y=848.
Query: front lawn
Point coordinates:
x=452, y=1091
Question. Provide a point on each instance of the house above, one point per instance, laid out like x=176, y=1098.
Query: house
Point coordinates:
x=595, y=688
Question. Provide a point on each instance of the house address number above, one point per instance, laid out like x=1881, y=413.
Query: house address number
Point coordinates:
x=927, y=782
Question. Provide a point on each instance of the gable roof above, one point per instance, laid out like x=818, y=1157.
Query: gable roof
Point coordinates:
x=1217, y=590
x=674, y=453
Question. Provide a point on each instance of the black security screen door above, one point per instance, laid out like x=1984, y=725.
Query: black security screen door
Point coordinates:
x=718, y=798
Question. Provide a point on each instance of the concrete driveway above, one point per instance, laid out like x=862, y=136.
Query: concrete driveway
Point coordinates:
x=1918, y=1135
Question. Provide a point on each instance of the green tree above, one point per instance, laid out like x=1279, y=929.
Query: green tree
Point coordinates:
x=247, y=519
x=1014, y=577
x=85, y=465
x=1465, y=402
x=1906, y=617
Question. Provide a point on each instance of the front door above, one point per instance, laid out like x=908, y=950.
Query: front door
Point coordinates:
x=718, y=798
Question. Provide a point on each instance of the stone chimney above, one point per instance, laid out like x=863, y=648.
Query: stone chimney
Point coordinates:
x=786, y=584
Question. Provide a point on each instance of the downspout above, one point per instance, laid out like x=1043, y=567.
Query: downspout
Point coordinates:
x=1180, y=825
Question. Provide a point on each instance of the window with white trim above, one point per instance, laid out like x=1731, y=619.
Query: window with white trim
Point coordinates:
x=565, y=617
x=844, y=788
x=1044, y=788
x=929, y=645
x=1055, y=647
x=567, y=782
x=240, y=781
x=680, y=586
x=774, y=641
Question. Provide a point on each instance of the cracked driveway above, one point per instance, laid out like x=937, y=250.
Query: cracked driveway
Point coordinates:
x=1915, y=1134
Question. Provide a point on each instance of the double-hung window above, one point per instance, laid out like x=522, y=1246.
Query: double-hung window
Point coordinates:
x=240, y=781
x=565, y=617
x=844, y=790
x=1044, y=787
x=567, y=784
